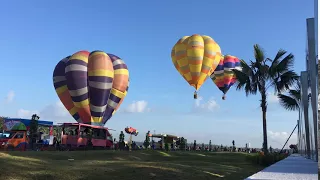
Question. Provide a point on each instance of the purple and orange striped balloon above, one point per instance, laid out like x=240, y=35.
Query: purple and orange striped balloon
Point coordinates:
x=91, y=86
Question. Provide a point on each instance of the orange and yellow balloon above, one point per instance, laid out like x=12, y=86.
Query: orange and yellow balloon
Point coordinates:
x=196, y=57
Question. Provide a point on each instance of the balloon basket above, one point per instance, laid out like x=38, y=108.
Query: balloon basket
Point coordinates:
x=195, y=95
x=223, y=97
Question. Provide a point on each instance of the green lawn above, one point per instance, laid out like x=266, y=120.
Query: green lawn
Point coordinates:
x=144, y=164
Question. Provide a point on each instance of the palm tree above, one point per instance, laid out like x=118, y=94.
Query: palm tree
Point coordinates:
x=2, y=118
x=263, y=73
x=291, y=99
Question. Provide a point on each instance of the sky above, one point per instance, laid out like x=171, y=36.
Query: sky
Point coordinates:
x=36, y=35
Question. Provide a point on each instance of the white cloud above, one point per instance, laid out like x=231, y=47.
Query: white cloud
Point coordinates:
x=57, y=113
x=137, y=107
x=23, y=113
x=210, y=105
x=277, y=139
x=10, y=96
x=54, y=111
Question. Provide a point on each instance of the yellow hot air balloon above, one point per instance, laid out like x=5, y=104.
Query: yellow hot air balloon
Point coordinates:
x=196, y=57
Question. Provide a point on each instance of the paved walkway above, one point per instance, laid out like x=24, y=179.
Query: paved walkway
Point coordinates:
x=294, y=167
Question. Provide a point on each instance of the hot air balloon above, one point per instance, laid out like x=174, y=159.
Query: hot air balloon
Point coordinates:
x=196, y=57
x=223, y=76
x=91, y=86
x=131, y=131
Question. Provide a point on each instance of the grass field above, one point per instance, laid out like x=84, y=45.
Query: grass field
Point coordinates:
x=123, y=165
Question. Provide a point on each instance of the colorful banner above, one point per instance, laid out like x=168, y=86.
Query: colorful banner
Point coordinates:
x=9, y=124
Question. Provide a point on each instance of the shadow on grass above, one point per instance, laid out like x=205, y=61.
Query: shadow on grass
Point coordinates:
x=124, y=165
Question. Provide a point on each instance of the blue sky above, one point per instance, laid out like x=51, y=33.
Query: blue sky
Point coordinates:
x=35, y=35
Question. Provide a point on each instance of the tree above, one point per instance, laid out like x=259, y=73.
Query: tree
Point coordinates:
x=34, y=124
x=43, y=129
x=194, y=145
x=263, y=73
x=210, y=146
x=202, y=147
x=290, y=100
x=146, y=142
x=294, y=147
x=2, y=118
x=1, y=123
x=182, y=143
x=270, y=149
x=33, y=129
x=121, y=141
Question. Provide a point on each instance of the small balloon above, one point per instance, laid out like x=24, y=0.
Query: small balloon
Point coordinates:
x=223, y=76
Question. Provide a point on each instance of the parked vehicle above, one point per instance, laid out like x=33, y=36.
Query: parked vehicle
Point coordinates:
x=4, y=137
x=78, y=135
x=16, y=134
x=16, y=140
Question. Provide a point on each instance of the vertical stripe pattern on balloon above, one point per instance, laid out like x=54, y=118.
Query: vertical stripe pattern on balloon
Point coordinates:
x=100, y=76
x=60, y=85
x=77, y=82
x=119, y=87
x=218, y=75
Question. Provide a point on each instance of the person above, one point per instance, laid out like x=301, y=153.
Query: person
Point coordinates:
x=76, y=131
x=86, y=130
x=133, y=145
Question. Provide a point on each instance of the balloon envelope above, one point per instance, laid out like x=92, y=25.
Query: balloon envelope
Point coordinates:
x=92, y=85
x=223, y=76
x=131, y=130
x=196, y=57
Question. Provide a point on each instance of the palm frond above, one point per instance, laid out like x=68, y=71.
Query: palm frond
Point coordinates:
x=275, y=62
x=245, y=78
x=259, y=54
x=245, y=68
x=291, y=100
x=279, y=55
x=286, y=80
x=289, y=103
x=286, y=64
x=296, y=94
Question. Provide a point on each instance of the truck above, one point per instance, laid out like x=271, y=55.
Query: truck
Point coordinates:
x=16, y=133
